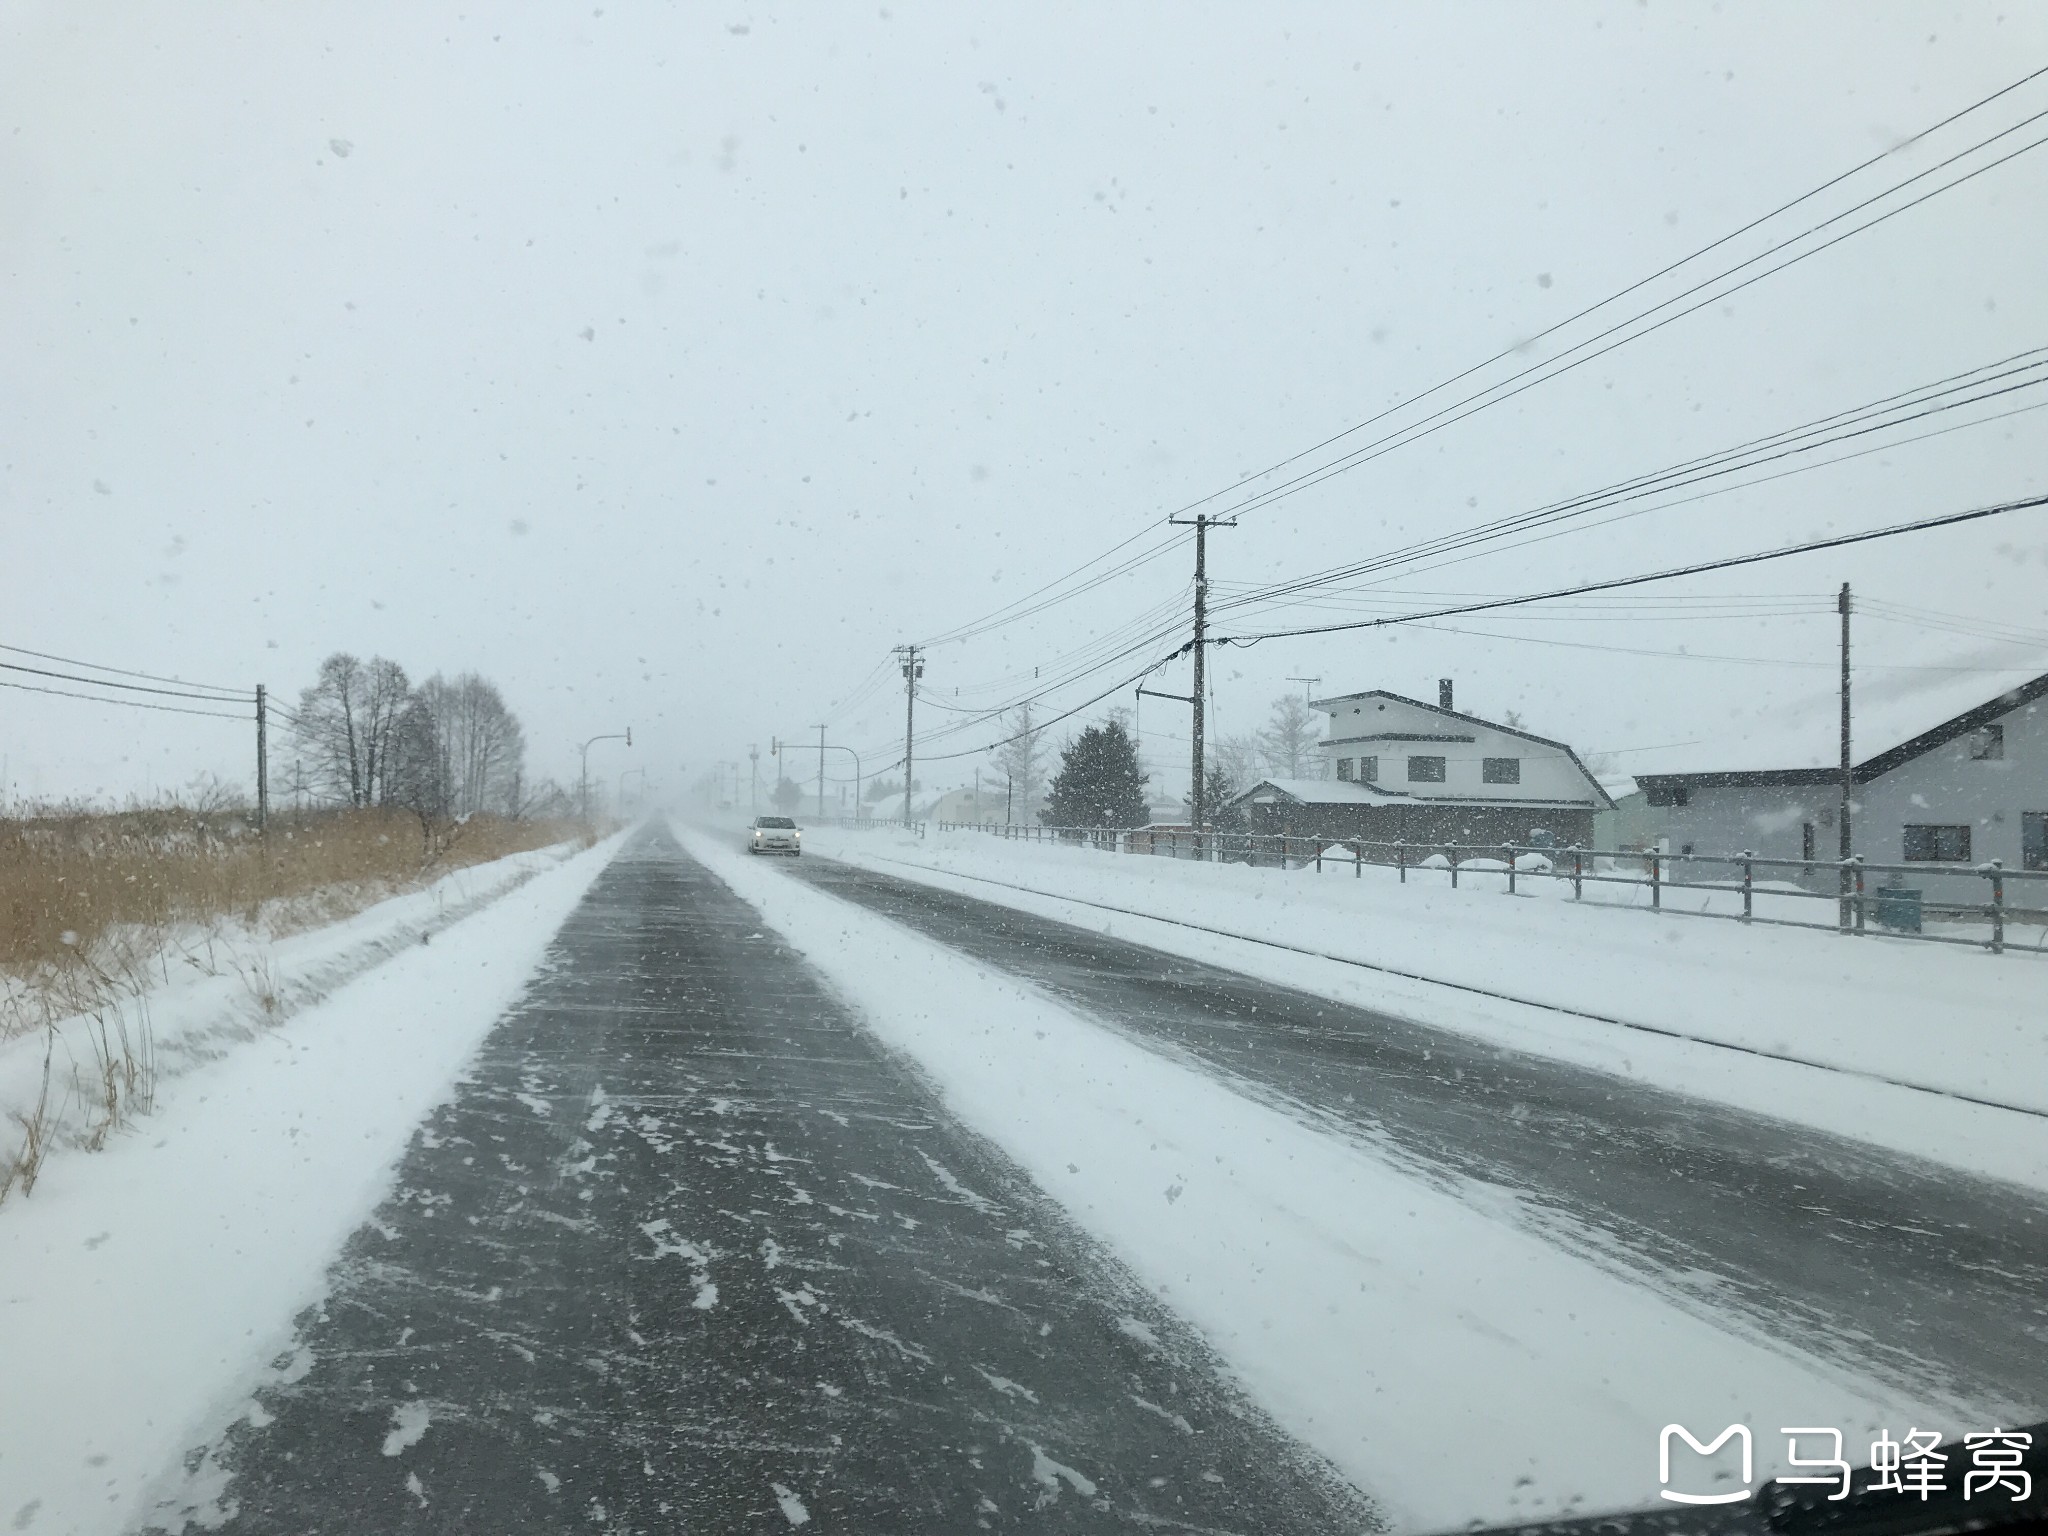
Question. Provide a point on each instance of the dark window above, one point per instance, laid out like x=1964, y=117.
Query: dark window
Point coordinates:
x=2034, y=839
x=1938, y=845
x=1806, y=842
x=1344, y=765
x=1425, y=770
x=1369, y=769
x=1988, y=744
x=1668, y=794
x=1500, y=770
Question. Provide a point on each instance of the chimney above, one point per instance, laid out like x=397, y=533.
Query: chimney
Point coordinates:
x=1443, y=693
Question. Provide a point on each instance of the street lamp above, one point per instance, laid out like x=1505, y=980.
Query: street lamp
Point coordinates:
x=824, y=747
x=583, y=773
x=622, y=786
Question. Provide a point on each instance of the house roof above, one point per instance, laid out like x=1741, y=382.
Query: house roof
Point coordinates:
x=1347, y=792
x=1799, y=742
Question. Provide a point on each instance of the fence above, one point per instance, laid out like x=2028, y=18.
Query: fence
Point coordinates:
x=1892, y=909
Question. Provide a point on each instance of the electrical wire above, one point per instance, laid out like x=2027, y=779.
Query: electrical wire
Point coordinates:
x=1846, y=425
x=168, y=709
x=1535, y=374
x=148, y=677
x=1730, y=562
x=1612, y=298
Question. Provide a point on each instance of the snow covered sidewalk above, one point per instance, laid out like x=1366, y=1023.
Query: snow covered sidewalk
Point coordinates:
x=143, y=1288
x=1457, y=1367
x=1884, y=1041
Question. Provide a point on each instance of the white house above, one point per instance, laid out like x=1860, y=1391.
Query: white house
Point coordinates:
x=1397, y=770
x=1945, y=789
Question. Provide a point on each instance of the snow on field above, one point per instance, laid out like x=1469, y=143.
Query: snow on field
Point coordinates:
x=144, y=1289
x=1455, y=1367
x=1890, y=1032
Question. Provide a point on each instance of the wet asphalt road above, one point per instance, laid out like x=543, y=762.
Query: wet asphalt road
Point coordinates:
x=688, y=1251
x=1896, y=1267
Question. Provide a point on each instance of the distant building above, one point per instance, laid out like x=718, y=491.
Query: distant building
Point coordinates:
x=1970, y=788
x=1397, y=770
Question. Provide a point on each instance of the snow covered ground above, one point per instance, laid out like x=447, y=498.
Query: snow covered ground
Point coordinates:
x=1882, y=1040
x=221, y=988
x=144, y=1289
x=1456, y=1367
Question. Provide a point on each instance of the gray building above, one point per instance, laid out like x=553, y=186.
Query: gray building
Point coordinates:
x=1964, y=790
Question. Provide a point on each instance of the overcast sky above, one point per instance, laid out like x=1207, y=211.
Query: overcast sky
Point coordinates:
x=669, y=363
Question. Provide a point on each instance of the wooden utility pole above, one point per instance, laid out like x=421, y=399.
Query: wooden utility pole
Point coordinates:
x=262, y=760
x=913, y=669
x=1848, y=769
x=1198, y=809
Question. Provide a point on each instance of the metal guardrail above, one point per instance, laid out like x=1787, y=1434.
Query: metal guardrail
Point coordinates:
x=1860, y=907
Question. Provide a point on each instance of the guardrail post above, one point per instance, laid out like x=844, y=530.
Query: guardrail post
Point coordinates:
x=1857, y=860
x=1358, y=861
x=1995, y=870
x=1401, y=860
x=1656, y=882
x=1578, y=873
x=1451, y=853
x=1748, y=884
x=1511, y=869
x=1319, y=855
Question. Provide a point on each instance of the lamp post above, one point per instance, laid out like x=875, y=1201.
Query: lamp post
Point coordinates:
x=583, y=772
x=825, y=746
x=622, y=786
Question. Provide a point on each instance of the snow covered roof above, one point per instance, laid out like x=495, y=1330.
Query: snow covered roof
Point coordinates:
x=1315, y=792
x=1893, y=718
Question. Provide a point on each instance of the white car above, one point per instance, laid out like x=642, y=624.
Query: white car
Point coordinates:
x=774, y=834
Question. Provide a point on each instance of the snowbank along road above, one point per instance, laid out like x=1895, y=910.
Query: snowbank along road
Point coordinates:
x=1896, y=1268
x=690, y=1250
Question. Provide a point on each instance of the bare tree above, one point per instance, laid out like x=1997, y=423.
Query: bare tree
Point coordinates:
x=485, y=748
x=1022, y=762
x=1289, y=738
x=345, y=723
x=1239, y=760
x=415, y=769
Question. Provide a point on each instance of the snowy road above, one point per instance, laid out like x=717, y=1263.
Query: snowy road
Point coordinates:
x=690, y=1250
x=1896, y=1268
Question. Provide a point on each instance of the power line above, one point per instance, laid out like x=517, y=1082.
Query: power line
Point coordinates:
x=1612, y=298
x=168, y=709
x=1823, y=432
x=1919, y=525
x=90, y=666
x=95, y=682
x=1437, y=420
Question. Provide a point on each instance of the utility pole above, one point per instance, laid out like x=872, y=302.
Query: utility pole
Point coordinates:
x=754, y=779
x=913, y=669
x=821, y=771
x=1197, y=795
x=262, y=761
x=1848, y=769
x=1306, y=684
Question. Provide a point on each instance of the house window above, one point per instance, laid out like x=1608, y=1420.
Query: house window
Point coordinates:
x=1987, y=745
x=1425, y=770
x=1938, y=845
x=1369, y=770
x=1344, y=766
x=1668, y=794
x=1500, y=770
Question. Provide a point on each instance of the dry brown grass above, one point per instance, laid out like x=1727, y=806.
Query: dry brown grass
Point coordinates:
x=97, y=889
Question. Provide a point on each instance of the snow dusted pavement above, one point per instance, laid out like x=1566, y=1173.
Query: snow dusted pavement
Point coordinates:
x=1918, y=1274
x=691, y=1250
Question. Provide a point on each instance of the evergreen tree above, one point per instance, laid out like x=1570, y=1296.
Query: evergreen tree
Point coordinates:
x=1099, y=783
x=788, y=796
x=1217, y=792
